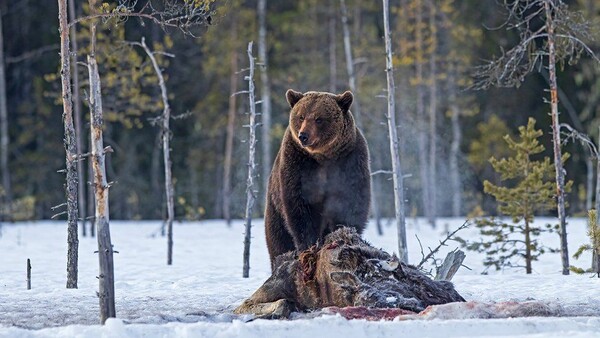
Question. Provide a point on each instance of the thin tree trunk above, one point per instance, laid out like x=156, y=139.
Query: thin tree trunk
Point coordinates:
x=350, y=64
x=267, y=159
x=91, y=200
x=420, y=109
x=455, y=181
x=77, y=118
x=595, y=256
x=166, y=138
x=589, y=186
x=105, y=250
x=560, y=175
x=432, y=117
x=332, y=48
x=155, y=178
x=71, y=158
x=250, y=194
x=106, y=277
x=7, y=198
x=527, y=226
x=392, y=128
x=231, y=117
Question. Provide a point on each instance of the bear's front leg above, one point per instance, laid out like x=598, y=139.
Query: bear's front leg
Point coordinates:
x=297, y=214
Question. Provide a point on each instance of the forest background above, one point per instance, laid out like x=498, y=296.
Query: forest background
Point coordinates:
x=447, y=131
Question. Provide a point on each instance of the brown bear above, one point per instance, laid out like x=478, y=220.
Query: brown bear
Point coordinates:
x=320, y=179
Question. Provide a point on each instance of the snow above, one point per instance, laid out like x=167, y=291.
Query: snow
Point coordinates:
x=196, y=295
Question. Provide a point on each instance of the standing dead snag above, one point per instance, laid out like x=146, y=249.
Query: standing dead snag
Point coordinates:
x=267, y=158
x=70, y=142
x=392, y=129
x=166, y=137
x=7, y=197
x=77, y=118
x=106, y=277
x=250, y=192
x=28, y=274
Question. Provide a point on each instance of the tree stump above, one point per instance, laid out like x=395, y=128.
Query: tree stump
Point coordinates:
x=345, y=271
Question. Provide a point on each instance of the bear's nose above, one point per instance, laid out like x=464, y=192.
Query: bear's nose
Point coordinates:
x=303, y=137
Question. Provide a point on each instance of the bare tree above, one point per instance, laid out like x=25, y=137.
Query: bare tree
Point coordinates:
x=332, y=13
x=267, y=159
x=433, y=97
x=166, y=138
x=71, y=152
x=562, y=35
x=420, y=112
x=392, y=129
x=106, y=276
x=231, y=117
x=7, y=198
x=350, y=64
x=455, y=182
x=77, y=119
x=250, y=192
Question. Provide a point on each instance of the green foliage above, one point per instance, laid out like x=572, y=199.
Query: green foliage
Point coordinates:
x=533, y=188
x=593, y=246
x=527, y=188
x=490, y=142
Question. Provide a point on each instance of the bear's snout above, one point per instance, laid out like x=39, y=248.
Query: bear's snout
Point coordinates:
x=303, y=137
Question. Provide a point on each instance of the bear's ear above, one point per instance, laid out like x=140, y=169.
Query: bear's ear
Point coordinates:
x=293, y=97
x=345, y=100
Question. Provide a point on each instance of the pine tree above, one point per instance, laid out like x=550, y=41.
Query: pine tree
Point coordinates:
x=594, y=246
x=527, y=187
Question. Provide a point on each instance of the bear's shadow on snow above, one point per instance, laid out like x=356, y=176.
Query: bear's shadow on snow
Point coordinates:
x=345, y=271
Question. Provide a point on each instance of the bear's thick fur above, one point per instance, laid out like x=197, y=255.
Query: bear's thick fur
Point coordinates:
x=321, y=178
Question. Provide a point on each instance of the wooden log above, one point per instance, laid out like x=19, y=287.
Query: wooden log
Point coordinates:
x=452, y=262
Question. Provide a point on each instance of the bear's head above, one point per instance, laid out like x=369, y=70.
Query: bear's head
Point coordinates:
x=321, y=123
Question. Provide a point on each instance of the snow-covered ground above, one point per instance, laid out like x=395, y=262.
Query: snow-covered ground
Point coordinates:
x=195, y=296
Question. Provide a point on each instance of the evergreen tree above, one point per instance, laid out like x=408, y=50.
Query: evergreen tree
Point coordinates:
x=594, y=246
x=527, y=187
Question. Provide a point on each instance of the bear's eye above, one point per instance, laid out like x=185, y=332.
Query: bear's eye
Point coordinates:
x=301, y=118
x=318, y=120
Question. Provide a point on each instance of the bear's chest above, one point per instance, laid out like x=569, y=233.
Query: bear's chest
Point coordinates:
x=323, y=184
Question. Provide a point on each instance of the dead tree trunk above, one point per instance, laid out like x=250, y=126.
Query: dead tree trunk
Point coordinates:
x=420, y=112
x=455, y=182
x=350, y=64
x=231, y=117
x=250, y=192
x=166, y=138
x=433, y=96
x=77, y=119
x=28, y=274
x=595, y=256
x=560, y=174
x=71, y=158
x=106, y=277
x=392, y=129
x=7, y=198
x=267, y=160
x=332, y=13
x=105, y=250
x=589, y=181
